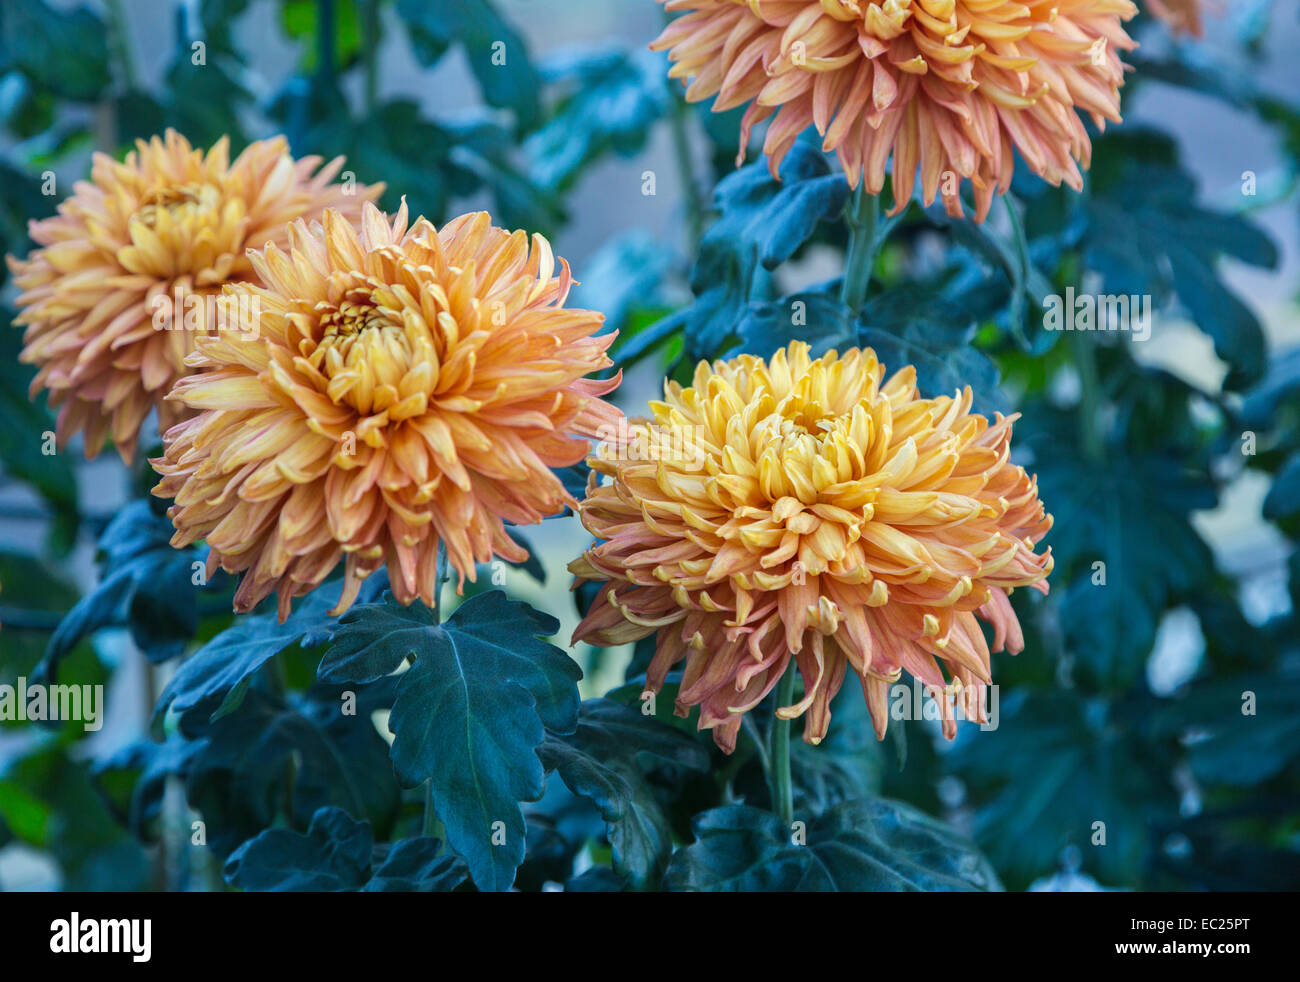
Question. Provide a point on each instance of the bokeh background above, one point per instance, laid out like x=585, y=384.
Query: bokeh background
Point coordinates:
x=561, y=140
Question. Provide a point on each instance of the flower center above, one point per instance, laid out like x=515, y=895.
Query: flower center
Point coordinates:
x=193, y=230
x=367, y=354
x=187, y=204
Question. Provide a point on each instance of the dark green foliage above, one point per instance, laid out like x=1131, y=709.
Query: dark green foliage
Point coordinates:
x=469, y=714
x=146, y=584
x=866, y=844
x=405, y=749
x=605, y=760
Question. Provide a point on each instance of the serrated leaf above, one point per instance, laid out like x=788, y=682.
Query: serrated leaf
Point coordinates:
x=869, y=844
x=416, y=866
x=604, y=760
x=470, y=713
x=216, y=675
x=334, y=855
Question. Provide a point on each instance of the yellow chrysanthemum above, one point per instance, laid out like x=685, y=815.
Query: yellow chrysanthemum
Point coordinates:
x=116, y=293
x=405, y=388
x=801, y=509
x=952, y=87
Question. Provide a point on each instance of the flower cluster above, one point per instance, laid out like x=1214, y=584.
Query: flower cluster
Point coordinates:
x=170, y=221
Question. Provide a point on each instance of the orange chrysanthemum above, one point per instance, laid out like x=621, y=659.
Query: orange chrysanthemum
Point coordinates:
x=1183, y=16
x=100, y=294
x=407, y=388
x=801, y=509
x=949, y=86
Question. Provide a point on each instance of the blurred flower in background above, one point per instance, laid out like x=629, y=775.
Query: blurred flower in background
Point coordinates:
x=116, y=294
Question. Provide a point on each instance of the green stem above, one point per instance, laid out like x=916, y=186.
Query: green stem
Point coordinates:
x=325, y=42
x=370, y=52
x=782, y=788
x=120, y=44
x=685, y=169
x=1085, y=362
x=863, y=218
x=432, y=825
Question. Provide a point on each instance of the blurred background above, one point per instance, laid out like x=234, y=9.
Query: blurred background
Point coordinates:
x=562, y=139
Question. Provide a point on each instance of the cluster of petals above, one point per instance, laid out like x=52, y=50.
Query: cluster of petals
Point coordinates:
x=119, y=286
x=811, y=511
x=389, y=389
x=953, y=89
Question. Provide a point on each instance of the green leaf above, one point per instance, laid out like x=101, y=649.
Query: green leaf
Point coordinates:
x=1143, y=221
x=22, y=440
x=416, y=865
x=1106, y=513
x=215, y=677
x=92, y=851
x=763, y=222
x=497, y=54
x=334, y=855
x=1056, y=765
x=1243, y=727
x=270, y=757
x=612, y=100
x=338, y=854
x=470, y=713
x=1283, y=498
x=820, y=319
x=606, y=760
x=25, y=815
x=63, y=50
x=869, y=844
x=146, y=585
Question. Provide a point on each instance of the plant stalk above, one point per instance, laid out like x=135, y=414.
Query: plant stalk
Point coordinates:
x=432, y=825
x=863, y=219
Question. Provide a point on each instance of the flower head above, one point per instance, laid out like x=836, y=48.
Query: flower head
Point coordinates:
x=953, y=87
x=818, y=514
x=116, y=292
x=401, y=389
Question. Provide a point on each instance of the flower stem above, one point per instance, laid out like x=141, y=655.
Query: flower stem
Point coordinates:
x=432, y=825
x=1085, y=363
x=685, y=169
x=370, y=30
x=120, y=44
x=782, y=789
x=863, y=216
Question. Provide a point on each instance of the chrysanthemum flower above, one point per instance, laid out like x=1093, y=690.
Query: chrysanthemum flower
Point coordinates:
x=169, y=223
x=800, y=509
x=949, y=86
x=1182, y=16
x=407, y=388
